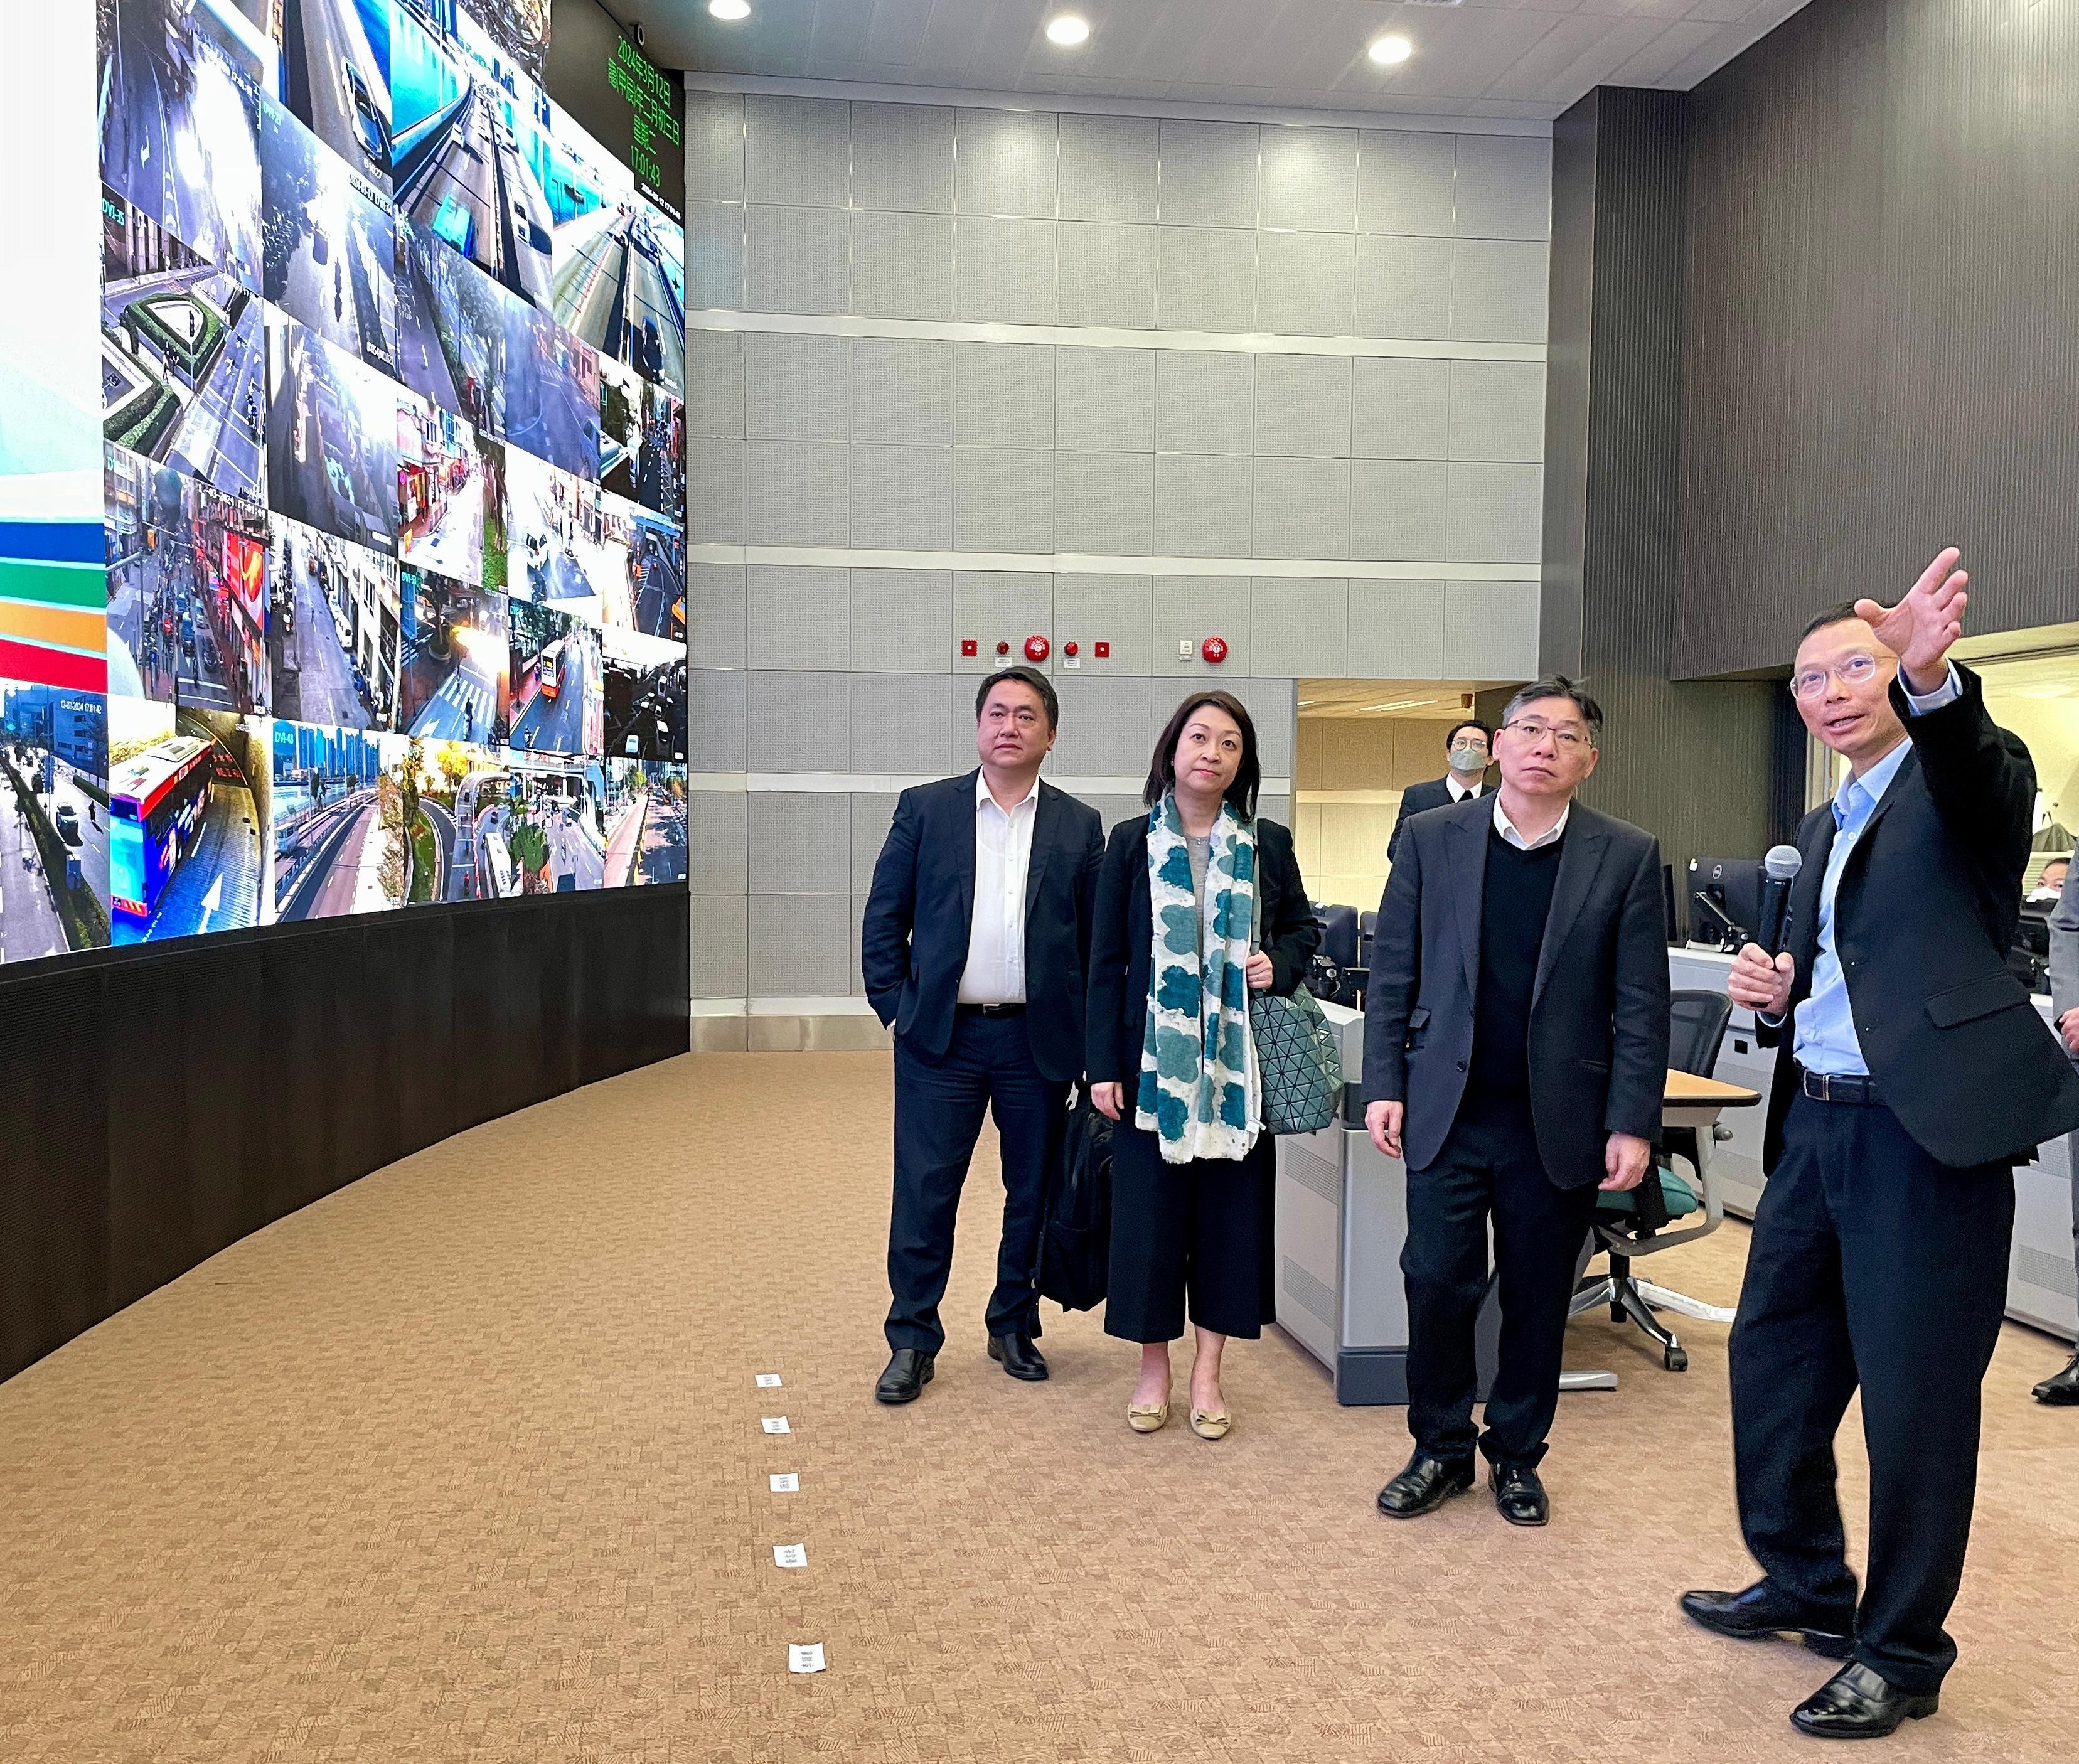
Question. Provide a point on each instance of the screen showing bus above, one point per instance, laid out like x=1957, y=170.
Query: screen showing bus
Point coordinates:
x=156, y=801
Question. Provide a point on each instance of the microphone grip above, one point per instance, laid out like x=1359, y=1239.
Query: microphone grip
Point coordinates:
x=1774, y=909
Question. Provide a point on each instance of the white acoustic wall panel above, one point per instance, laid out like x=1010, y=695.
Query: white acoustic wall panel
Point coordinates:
x=714, y=615
x=1003, y=270
x=872, y=814
x=1270, y=704
x=801, y=842
x=902, y=157
x=717, y=841
x=801, y=946
x=799, y=495
x=714, y=254
x=1108, y=167
x=798, y=260
x=799, y=388
x=1503, y=186
x=1204, y=401
x=902, y=390
x=902, y=498
x=903, y=266
x=1116, y=610
x=717, y=722
x=1208, y=173
x=1298, y=624
x=1495, y=513
x=1491, y=630
x=720, y=962
x=1400, y=407
x=1498, y=410
x=1404, y=287
x=1003, y=500
x=901, y=621
x=1006, y=163
x=1405, y=183
x=1107, y=275
x=1105, y=399
x=714, y=147
x=799, y=722
x=1303, y=509
x=798, y=618
x=854, y=966
x=993, y=606
x=1303, y=405
x=1497, y=290
x=1188, y=610
x=714, y=492
x=1203, y=505
x=899, y=722
x=797, y=150
x=1003, y=394
x=1398, y=510
x=1396, y=630
x=1104, y=503
x=1310, y=178
x=1104, y=731
x=714, y=384
x=1205, y=279
x=1306, y=284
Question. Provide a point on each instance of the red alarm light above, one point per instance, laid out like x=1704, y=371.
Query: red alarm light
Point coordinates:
x=968, y=647
x=1214, y=649
x=1035, y=649
x=1068, y=649
x=1003, y=647
x=1102, y=649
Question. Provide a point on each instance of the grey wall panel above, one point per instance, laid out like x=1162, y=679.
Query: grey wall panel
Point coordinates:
x=714, y=384
x=1003, y=500
x=1190, y=609
x=798, y=618
x=1404, y=287
x=902, y=266
x=994, y=606
x=1498, y=410
x=714, y=255
x=801, y=946
x=1306, y=284
x=714, y=615
x=1405, y=182
x=1491, y=630
x=902, y=497
x=1006, y=163
x=1108, y=167
x=799, y=494
x=1004, y=270
x=1105, y=399
x=800, y=722
x=1003, y=394
x=1115, y=609
x=1107, y=275
x=714, y=492
x=721, y=966
x=798, y=260
x=717, y=721
x=1209, y=173
x=1495, y=513
x=799, y=388
x=1105, y=729
x=1396, y=629
x=1303, y=509
x=902, y=390
x=1503, y=187
x=1399, y=510
x=1310, y=178
x=1203, y=505
x=855, y=930
x=899, y=722
x=1302, y=405
x=901, y=621
x=1270, y=704
x=1205, y=279
x=902, y=157
x=797, y=150
x=1497, y=290
x=1104, y=503
x=871, y=815
x=1204, y=401
x=1400, y=407
x=1115, y=809
x=717, y=841
x=1298, y=626
x=714, y=147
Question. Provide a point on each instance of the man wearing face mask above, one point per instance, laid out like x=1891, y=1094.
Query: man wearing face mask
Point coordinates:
x=1469, y=745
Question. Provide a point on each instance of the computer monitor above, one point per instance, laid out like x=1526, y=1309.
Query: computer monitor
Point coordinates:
x=1724, y=892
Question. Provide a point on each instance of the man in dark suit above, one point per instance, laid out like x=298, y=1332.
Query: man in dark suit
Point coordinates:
x=1515, y=1053
x=1912, y=1074
x=974, y=948
x=1469, y=745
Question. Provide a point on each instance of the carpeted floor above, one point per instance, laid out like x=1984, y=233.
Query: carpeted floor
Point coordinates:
x=465, y=1462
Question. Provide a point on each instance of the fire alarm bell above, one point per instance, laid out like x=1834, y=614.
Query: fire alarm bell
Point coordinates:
x=1214, y=649
x=1035, y=649
x=968, y=647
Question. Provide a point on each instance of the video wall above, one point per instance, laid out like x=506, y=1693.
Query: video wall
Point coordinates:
x=343, y=568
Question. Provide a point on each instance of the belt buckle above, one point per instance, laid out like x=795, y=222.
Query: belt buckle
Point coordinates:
x=1824, y=1092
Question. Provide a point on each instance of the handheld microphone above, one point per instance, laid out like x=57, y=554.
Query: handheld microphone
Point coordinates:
x=1779, y=869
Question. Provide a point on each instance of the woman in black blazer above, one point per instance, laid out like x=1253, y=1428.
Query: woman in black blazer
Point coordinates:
x=1192, y=1234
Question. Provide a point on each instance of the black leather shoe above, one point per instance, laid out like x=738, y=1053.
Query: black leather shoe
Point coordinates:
x=1761, y=1613
x=2062, y=1391
x=1857, y=1703
x=907, y=1374
x=1018, y=1357
x=1424, y=1486
x=1519, y=1496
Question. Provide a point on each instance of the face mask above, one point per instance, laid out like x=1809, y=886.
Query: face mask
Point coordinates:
x=1468, y=760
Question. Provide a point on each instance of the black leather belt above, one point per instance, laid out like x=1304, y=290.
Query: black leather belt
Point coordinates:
x=993, y=1011
x=1840, y=1088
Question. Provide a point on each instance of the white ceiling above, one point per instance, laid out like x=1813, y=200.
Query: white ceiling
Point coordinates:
x=1526, y=59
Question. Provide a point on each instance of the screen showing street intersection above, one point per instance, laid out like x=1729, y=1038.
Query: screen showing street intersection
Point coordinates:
x=371, y=592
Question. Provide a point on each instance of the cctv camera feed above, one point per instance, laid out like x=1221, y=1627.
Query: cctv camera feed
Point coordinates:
x=368, y=592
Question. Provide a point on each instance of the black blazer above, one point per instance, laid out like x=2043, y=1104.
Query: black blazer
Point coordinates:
x=1431, y=793
x=1599, y=1009
x=913, y=944
x=1122, y=939
x=1923, y=917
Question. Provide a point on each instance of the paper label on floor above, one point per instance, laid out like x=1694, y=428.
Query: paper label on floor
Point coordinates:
x=790, y=1555
x=789, y=1484
x=768, y=1381
x=804, y=1656
x=775, y=1423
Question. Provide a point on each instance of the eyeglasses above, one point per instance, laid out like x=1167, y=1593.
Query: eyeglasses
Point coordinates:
x=1569, y=741
x=1850, y=671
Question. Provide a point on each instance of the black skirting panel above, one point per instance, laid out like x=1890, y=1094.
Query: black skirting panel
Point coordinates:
x=157, y=1105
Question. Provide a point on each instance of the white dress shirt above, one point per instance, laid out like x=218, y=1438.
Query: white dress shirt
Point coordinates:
x=995, y=973
x=1460, y=791
x=1507, y=828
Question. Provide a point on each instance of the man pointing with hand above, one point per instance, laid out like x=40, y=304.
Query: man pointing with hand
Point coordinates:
x=1912, y=1074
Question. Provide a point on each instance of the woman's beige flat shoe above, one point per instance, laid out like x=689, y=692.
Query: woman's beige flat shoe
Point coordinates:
x=1147, y=1417
x=1211, y=1426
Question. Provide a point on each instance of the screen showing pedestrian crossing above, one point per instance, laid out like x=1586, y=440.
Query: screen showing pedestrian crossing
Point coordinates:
x=342, y=492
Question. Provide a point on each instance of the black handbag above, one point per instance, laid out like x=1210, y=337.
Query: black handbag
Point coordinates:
x=1075, y=1248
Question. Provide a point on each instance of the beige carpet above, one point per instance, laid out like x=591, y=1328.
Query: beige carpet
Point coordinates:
x=465, y=1462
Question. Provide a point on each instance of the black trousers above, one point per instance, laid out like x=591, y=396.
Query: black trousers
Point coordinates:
x=1190, y=1238
x=938, y=1107
x=1489, y=1169
x=1871, y=1264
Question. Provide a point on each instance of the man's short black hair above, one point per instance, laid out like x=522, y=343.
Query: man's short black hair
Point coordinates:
x=1025, y=676
x=1451, y=734
x=1843, y=612
x=1558, y=686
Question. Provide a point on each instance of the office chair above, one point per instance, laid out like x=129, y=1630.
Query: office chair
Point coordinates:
x=1629, y=1225
x=1367, y=928
x=1339, y=943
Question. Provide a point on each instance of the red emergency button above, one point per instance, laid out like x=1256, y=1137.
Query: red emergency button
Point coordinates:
x=1102, y=649
x=1214, y=649
x=1003, y=647
x=1068, y=649
x=1035, y=649
x=968, y=647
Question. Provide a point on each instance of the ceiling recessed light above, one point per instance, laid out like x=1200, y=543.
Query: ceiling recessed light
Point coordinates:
x=728, y=11
x=1390, y=51
x=1069, y=30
